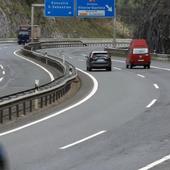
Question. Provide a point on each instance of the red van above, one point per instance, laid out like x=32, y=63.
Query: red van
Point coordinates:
x=138, y=54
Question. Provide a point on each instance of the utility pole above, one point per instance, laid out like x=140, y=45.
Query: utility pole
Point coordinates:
x=32, y=17
x=114, y=28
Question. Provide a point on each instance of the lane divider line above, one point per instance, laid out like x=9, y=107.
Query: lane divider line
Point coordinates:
x=156, y=163
x=93, y=91
x=1, y=79
x=119, y=61
x=151, y=103
x=81, y=60
x=48, y=72
x=83, y=140
x=2, y=67
x=3, y=72
x=159, y=68
x=140, y=75
x=116, y=68
x=156, y=86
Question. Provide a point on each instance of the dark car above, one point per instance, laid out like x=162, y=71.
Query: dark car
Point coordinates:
x=3, y=159
x=99, y=60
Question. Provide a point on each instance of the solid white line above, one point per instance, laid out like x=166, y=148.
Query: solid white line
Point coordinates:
x=93, y=91
x=152, y=165
x=160, y=68
x=82, y=140
x=116, y=68
x=140, y=75
x=119, y=61
x=48, y=72
x=81, y=60
x=1, y=78
x=156, y=86
x=3, y=72
x=151, y=103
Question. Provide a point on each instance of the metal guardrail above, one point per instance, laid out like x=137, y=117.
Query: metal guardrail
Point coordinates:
x=21, y=103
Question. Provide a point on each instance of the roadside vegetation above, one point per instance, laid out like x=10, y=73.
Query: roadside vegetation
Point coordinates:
x=135, y=19
x=16, y=12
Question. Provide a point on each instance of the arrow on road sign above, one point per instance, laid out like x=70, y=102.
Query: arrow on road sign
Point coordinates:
x=110, y=9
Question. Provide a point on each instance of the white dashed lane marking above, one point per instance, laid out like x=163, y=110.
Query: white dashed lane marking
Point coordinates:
x=156, y=86
x=156, y=163
x=1, y=66
x=82, y=140
x=151, y=103
x=142, y=76
x=1, y=79
x=116, y=68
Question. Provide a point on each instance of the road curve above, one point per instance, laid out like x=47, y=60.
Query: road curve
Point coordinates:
x=124, y=126
x=17, y=74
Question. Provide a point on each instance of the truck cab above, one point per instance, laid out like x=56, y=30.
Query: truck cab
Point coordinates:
x=24, y=34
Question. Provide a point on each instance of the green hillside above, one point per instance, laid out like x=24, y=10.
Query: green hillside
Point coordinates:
x=16, y=12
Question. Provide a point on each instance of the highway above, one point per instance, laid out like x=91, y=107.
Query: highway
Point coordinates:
x=17, y=74
x=121, y=123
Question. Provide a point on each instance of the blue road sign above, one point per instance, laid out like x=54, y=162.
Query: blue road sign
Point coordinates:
x=59, y=8
x=95, y=8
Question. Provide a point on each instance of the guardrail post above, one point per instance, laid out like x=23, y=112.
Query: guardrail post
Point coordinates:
x=41, y=104
x=50, y=98
x=24, y=108
x=30, y=105
x=10, y=113
x=17, y=110
x=46, y=100
x=1, y=116
x=54, y=96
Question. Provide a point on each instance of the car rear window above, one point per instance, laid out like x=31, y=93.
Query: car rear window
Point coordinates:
x=100, y=55
x=140, y=50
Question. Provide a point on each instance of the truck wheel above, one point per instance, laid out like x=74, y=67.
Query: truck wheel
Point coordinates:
x=127, y=66
x=149, y=66
x=131, y=66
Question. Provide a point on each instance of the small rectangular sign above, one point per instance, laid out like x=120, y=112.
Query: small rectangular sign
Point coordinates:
x=59, y=8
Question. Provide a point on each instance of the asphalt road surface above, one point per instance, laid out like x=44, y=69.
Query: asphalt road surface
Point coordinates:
x=17, y=74
x=125, y=125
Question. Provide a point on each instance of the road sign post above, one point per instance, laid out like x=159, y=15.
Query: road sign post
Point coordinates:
x=82, y=9
x=32, y=17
